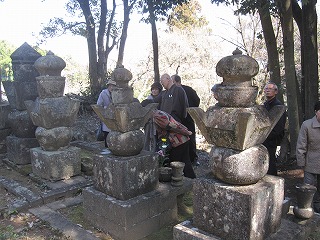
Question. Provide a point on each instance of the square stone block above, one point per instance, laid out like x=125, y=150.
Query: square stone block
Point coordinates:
x=126, y=177
x=56, y=165
x=18, y=149
x=134, y=218
x=4, y=112
x=238, y=212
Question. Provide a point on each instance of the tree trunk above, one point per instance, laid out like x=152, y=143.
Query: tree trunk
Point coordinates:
x=108, y=35
x=310, y=53
x=100, y=42
x=92, y=49
x=155, y=44
x=126, y=19
x=285, y=9
x=271, y=44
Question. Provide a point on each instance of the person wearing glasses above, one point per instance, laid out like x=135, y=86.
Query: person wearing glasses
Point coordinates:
x=277, y=133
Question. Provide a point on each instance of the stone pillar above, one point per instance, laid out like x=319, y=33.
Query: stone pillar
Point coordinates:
x=54, y=114
x=237, y=200
x=127, y=200
x=22, y=88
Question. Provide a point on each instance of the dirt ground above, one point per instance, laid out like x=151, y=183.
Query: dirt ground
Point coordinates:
x=24, y=225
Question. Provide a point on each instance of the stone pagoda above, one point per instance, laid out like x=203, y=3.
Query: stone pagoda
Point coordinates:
x=237, y=200
x=127, y=200
x=21, y=89
x=53, y=114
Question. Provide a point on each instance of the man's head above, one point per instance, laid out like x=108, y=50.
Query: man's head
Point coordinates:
x=176, y=79
x=166, y=81
x=270, y=90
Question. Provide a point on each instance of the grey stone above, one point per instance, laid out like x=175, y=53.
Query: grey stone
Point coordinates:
x=4, y=112
x=25, y=54
x=236, y=128
x=50, y=65
x=56, y=165
x=125, y=117
x=50, y=87
x=54, y=139
x=53, y=112
x=122, y=95
x=235, y=96
x=238, y=212
x=134, y=218
x=126, y=177
x=21, y=124
x=4, y=132
x=18, y=149
x=125, y=144
x=240, y=167
x=10, y=92
x=25, y=90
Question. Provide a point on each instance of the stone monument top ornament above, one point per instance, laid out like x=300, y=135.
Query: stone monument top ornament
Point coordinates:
x=50, y=65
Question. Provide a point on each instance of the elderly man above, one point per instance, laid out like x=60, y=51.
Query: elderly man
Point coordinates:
x=174, y=102
x=275, y=137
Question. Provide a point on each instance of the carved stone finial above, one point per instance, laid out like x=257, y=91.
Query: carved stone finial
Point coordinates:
x=237, y=52
x=50, y=65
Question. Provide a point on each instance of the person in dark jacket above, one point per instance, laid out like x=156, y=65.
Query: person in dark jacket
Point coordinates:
x=194, y=101
x=275, y=137
x=174, y=102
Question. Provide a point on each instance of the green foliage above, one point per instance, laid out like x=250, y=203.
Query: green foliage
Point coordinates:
x=187, y=16
x=7, y=232
x=6, y=49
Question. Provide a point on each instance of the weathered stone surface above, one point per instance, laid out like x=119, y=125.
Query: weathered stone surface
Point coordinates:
x=235, y=96
x=134, y=218
x=56, y=165
x=24, y=90
x=21, y=124
x=238, y=212
x=50, y=65
x=10, y=92
x=126, y=177
x=237, y=69
x=18, y=149
x=125, y=117
x=122, y=76
x=4, y=133
x=236, y=128
x=240, y=167
x=50, y=87
x=122, y=95
x=4, y=112
x=53, y=112
x=53, y=139
x=125, y=144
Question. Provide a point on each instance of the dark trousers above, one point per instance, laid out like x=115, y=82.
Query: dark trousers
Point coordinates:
x=189, y=123
x=272, y=161
x=181, y=154
x=105, y=138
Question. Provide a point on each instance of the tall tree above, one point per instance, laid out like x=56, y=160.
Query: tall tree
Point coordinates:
x=95, y=13
x=285, y=10
x=157, y=10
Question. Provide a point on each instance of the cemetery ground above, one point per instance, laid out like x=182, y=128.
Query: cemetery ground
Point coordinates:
x=22, y=224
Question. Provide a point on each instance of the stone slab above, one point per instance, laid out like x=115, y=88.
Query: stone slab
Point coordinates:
x=18, y=149
x=61, y=223
x=134, y=218
x=126, y=177
x=56, y=165
x=238, y=212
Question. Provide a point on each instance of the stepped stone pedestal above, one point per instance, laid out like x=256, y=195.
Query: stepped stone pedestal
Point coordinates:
x=237, y=200
x=127, y=201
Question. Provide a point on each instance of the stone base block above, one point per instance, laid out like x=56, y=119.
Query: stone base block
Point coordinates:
x=56, y=165
x=126, y=177
x=18, y=149
x=238, y=212
x=134, y=218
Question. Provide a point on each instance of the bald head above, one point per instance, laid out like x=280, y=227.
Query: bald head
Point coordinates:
x=166, y=81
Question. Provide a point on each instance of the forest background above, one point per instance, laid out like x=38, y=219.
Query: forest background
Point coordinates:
x=185, y=36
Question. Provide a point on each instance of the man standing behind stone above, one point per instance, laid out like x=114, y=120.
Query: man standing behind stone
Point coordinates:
x=174, y=102
x=104, y=100
x=277, y=133
x=194, y=101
